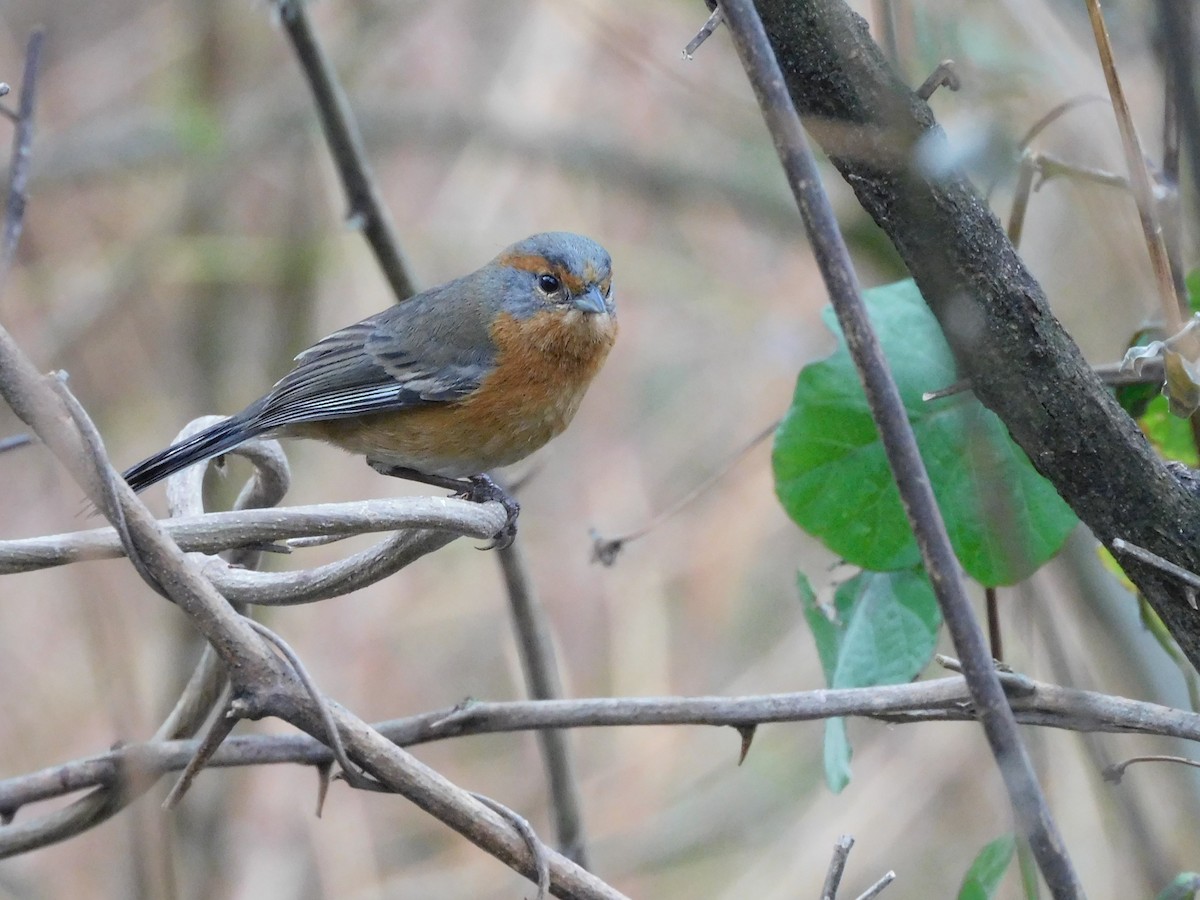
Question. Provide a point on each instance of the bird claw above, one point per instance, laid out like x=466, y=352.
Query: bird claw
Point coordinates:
x=482, y=489
x=477, y=489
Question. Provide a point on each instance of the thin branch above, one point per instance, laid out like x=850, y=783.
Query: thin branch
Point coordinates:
x=219, y=729
x=22, y=148
x=1143, y=190
x=605, y=550
x=1116, y=772
x=908, y=469
x=938, y=700
x=543, y=681
x=332, y=737
x=877, y=888
x=995, y=633
x=885, y=17
x=215, y=532
x=1189, y=578
x=944, y=75
x=705, y=32
x=367, y=209
x=536, y=848
x=1177, y=37
x=14, y=441
x=837, y=866
x=334, y=579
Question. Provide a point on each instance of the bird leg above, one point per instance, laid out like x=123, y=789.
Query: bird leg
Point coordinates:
x=477, y=489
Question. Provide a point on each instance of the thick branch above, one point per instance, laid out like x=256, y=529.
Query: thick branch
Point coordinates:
x=1020, y=361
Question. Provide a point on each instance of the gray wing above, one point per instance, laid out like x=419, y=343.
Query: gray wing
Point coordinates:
x=432, y=348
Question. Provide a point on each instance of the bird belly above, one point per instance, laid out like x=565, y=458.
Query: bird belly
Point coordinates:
x=454, y=440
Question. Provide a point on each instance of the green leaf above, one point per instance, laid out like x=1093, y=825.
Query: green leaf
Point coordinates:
x=837, y=754
x=882, y=629
x=1184, y=887
x=1191, y=281
x=983, y=878
x=833, y=479
x=1170, y=435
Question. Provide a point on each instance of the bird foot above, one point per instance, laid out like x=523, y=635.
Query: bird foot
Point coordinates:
x=482, y=489
x=477, y=489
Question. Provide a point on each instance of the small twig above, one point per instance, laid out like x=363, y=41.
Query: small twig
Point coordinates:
x=543, y=681
x=221, y=727
x=1116, y=772
x=1021, y=194
x=1054, y=115
x=877, y=888
x=366, y=207
x=1049, y=167
x=945, y=75
x=1189, y=578
x=705, y=32
x=1177, y=36
x=1149, y=371
x=1014, y=684
x=15, y=441
x=1044, y=167
x=1143, y=191
x=837, y=866
x=1025, y=176
x=995, y=636
x=885, y=15
x=352, y=775
x=605, y=550
x=22, y=149
x=107, y=478
x=537, y=850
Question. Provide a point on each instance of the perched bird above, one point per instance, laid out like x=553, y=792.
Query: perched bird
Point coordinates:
x=460, y=379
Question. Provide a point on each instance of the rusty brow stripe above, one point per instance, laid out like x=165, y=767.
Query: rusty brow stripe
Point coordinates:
x=536, y=263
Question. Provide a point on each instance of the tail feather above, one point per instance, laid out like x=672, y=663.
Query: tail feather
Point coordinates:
x=210, y=442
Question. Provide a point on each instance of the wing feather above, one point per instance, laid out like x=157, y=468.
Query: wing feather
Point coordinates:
x=402, y=358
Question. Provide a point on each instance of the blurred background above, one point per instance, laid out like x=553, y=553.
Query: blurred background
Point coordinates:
x=185, y=238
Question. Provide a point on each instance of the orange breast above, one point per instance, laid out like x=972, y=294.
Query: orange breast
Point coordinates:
x=544, y=365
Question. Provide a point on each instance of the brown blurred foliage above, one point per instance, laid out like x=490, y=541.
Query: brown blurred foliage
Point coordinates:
x=185, y=238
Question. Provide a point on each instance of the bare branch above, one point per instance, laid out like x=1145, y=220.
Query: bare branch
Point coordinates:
x=837, y=865
x=544, y=682
x=877, y=888
x=367, y=210
x=22, y=148
x=1116, y=772
x=1139, y=176
x=214, y=532
x=940, y=700
x=536, y=847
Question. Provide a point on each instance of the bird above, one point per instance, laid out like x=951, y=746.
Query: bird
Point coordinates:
x=455, y=381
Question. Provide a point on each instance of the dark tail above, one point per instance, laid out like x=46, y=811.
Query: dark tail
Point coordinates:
x=210, y=442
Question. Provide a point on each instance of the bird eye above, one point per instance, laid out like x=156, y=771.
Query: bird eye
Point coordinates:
x=548, y=283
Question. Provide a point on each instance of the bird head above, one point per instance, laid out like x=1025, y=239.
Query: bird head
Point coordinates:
x=561, y=272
